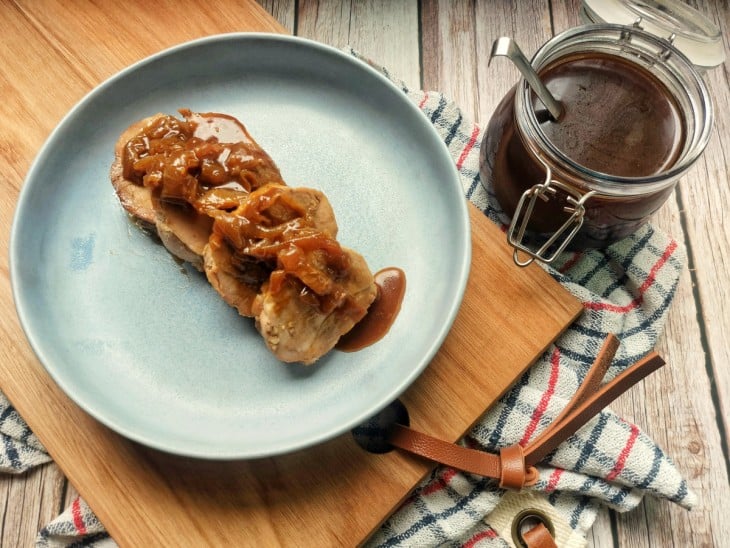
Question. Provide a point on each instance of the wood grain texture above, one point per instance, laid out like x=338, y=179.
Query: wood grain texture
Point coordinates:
x=28, y=502
x=284, y=11
x=147, y=498
x=457, y=39
x=687, y=412
x=704, y=197
x=380, y=29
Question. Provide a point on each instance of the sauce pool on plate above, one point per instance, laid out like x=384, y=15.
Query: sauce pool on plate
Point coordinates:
x=391, y=283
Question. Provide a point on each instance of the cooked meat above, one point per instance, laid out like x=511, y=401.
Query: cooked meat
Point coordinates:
x=300, y=325
x=273, y=213
x=164, y=166
x=183, y=231
x=243, y=250
x=218, y=201
x=135, y=198
x=232, y=283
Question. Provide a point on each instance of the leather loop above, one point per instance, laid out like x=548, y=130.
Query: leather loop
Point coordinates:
x=512, y=473
x=514, y=466
x=539, y=537
x=533, y=528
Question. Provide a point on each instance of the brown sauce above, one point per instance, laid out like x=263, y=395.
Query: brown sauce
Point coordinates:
x=619, y=119
x=221, y=127
x=391, y=283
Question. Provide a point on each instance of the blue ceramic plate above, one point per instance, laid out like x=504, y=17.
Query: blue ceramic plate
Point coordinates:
x=144, y=344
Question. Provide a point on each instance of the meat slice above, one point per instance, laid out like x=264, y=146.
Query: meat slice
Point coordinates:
x=237, y=287
x=135, y=199
x=273, y=213
x=172, y=174
x=242, y=252
x=183, y=231
x=293, y=321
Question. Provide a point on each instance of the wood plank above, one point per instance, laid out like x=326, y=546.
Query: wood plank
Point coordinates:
x=379, y=29
x=457, y=40
x=705, y=195
x=284, y=11
x=40, y=111
x=601, y=535
x=147, y=29
x=457, y=62
x=148, y=498
x=28, y=502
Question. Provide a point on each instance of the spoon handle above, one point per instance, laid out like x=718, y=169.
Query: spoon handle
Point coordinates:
x=506, y=47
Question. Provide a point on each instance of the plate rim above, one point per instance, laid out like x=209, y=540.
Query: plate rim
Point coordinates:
x=462, y=269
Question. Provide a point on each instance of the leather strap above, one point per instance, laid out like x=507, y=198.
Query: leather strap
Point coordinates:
x=514, y=466
x=462, y=458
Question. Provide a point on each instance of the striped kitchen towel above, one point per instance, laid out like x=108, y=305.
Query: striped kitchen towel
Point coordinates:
x=625, y=289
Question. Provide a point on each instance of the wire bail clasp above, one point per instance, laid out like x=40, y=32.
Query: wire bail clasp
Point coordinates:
x=662, y=55
x=545, y=190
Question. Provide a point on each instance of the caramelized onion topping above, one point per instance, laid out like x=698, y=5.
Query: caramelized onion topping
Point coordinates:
x=273, y=229
x=184, y=159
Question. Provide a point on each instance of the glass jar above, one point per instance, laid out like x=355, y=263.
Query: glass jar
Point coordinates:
x=637, y=116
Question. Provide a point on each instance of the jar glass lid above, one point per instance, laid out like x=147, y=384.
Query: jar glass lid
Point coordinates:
x=694, y=34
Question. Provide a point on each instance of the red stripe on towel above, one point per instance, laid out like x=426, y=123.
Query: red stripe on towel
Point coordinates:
x=650, y=279
x=76, y=514
x=468, y=147
x=621, y=461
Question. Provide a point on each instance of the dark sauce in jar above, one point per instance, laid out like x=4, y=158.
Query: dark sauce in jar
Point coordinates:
x=619, y=120
x=391, y=284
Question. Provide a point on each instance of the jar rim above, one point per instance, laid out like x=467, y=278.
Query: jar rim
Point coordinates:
x=696, y=35
x=613, y=184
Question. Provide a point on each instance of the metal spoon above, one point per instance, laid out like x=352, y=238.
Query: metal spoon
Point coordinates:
x=506, y=47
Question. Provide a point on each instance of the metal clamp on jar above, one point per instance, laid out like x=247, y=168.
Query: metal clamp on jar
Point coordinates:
x=631, y=115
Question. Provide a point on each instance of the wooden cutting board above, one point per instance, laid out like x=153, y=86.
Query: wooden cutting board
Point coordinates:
x=332, y=494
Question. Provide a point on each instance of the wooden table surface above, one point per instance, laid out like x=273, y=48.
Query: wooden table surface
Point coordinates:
x=444, y=46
